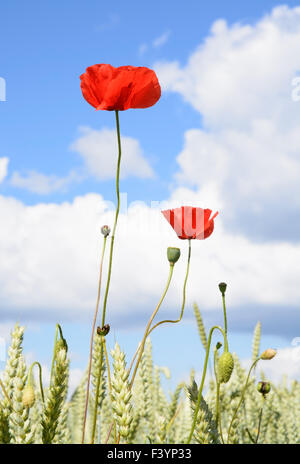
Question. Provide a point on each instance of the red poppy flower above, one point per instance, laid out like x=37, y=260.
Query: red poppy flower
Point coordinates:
x=191, y=223
x=109, y=88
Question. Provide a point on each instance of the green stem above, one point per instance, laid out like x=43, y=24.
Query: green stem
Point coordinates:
x=149, y=324
x=109, y=270
x=218, y=412
x=203, y=379
x=224, y=311
x=116, y=219
x=242, y=397
x=57, y=328
x=92, y=339
x=184, y=292
x=259, y=422
x=40, y=377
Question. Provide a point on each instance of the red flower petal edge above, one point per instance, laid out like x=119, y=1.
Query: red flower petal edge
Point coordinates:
x=190, y=222
x=108, y=88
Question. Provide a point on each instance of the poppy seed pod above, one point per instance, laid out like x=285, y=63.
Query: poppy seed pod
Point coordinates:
x=268, y=354
x=225, y=367
x=263, y=387
x=105, y=230
x=222, y=287
x=28, y=397
x=103, y=330
x=173, y=255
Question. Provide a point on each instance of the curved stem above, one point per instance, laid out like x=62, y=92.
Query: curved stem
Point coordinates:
x=203, y=379
x=92, y=340
x=242, y=397
x=184, y=291
x=149, y=324
x=109, y=270
x=40, y=377
x=54, y=353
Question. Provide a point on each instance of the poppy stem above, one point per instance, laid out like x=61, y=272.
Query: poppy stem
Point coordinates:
x=182, y=308
x=218, y=411
x=184, y=293
x=149, y=324
x=203, y=379
x=109, y=270
x=92, y=340
x=40, y=377
x=225, y=315
x=241, y=399
x=57, y=328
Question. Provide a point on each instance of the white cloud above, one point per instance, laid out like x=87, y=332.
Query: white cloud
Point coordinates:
x=241, y=72
x=156, y=43
x=99, y=151
x=161, y=40
x=42, y=184
x=50, y=255
x=3, y=168
x=240, y=80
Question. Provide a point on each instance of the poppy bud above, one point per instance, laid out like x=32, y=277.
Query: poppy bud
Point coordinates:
x=61, y=344
x=222, y=287
x=28, y=397
x=173, y=255
x=225, y=367
x=268, y=354
x=263, y=387
x=105, y=230
x=103, y=330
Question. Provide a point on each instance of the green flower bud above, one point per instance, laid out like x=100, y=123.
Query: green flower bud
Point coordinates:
x=28, y=397
x=225, y=367
x=222, y=287
x=173, y=255
x=105, y=230
x=61, y=344
x=268, y=354
x=218, y=345
x=263, y=387
x=103, y=330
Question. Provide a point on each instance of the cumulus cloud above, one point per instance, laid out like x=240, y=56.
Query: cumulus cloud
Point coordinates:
x=50, y=258
x=156, y=43
x=42, y=184
x=99, y=150
x=3, y=168
x=240, y=80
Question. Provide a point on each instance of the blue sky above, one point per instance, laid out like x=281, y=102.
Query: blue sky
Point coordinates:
x=224, y=133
